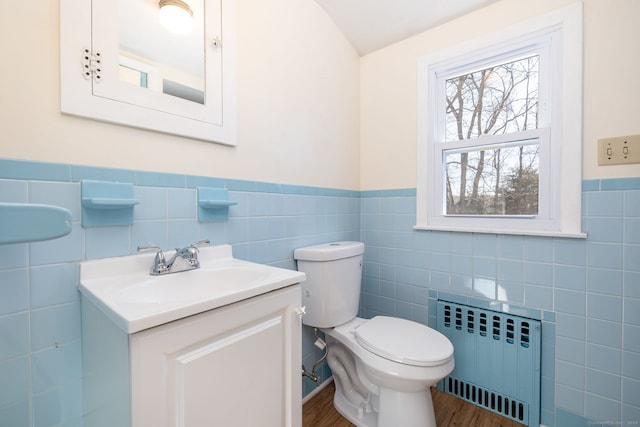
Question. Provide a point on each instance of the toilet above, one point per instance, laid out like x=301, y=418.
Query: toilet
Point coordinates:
x=383, y=367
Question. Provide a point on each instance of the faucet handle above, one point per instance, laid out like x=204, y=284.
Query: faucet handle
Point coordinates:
x=149, y=248
x=199, y=243
x=159, y=263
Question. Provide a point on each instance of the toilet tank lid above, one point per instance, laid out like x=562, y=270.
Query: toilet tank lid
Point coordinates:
x=329, y=251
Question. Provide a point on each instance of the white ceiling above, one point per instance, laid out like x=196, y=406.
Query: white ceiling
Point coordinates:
x=373, y=24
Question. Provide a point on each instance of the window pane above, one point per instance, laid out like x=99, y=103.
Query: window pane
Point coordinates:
x=497, y=100
x=501, y=181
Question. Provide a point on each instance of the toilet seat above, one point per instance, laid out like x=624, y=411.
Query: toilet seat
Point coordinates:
x=382, y=370
x=404, y=341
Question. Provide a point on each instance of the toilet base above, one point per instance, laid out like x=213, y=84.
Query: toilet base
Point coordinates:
x=368, y=405
x=397, y=409
x=355, y=415
x=405, y=409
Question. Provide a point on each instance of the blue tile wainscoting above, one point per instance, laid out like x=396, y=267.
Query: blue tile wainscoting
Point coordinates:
x=586, y=292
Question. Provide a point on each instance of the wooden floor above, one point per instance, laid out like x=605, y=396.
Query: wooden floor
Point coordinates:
x=450, y=412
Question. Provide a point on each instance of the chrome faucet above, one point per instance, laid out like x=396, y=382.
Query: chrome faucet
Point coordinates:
x=184, y=259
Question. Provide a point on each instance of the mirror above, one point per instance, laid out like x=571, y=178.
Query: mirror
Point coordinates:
x=119, y=64
x=157, y=58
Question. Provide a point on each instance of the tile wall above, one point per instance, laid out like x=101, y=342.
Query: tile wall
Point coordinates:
x=587, y=292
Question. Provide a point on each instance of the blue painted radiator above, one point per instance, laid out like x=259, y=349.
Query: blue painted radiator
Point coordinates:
x=497, y=360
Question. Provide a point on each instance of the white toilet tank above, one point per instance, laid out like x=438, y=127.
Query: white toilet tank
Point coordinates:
x=331, y=291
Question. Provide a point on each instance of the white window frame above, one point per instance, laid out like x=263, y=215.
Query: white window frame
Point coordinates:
x=556, y=36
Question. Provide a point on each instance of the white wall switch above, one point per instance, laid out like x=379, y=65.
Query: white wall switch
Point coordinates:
x=619, y=150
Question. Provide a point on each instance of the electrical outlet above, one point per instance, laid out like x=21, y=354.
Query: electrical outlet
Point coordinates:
x=619, y=150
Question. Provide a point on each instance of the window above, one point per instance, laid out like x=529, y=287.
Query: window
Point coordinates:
x=490, y=151
x=499, y=138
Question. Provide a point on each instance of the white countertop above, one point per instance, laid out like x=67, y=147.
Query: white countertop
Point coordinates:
x=135, y=300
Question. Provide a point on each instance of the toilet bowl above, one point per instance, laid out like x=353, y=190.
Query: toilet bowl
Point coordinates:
x=383, y=367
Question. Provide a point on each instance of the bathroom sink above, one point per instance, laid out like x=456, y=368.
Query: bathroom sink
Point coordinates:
x=125, y=291
x=170, y=289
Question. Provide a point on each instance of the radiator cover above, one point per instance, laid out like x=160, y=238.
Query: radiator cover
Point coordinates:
x=497, y=359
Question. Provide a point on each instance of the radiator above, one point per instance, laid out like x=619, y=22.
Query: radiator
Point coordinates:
x=497, y=359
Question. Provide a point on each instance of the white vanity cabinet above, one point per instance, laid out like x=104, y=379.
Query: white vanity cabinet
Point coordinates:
x=237, y=365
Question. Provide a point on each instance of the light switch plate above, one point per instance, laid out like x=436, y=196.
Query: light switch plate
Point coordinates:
x=619, y=150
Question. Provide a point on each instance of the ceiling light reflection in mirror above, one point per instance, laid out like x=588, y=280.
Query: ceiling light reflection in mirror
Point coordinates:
x=176, y=16
x=158, y=59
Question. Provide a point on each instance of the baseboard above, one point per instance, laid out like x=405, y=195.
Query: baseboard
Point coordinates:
x=317, y=389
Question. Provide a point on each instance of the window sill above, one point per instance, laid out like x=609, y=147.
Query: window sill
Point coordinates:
x=541, y=233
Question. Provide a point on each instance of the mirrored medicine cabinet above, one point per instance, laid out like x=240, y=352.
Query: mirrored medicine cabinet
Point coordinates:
x=119, y=64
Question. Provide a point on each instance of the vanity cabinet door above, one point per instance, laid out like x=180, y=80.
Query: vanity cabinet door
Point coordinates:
x=234, y=366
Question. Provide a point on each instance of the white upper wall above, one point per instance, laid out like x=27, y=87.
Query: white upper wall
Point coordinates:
x=611, y=87
x=298, y=102
x=310, y=111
